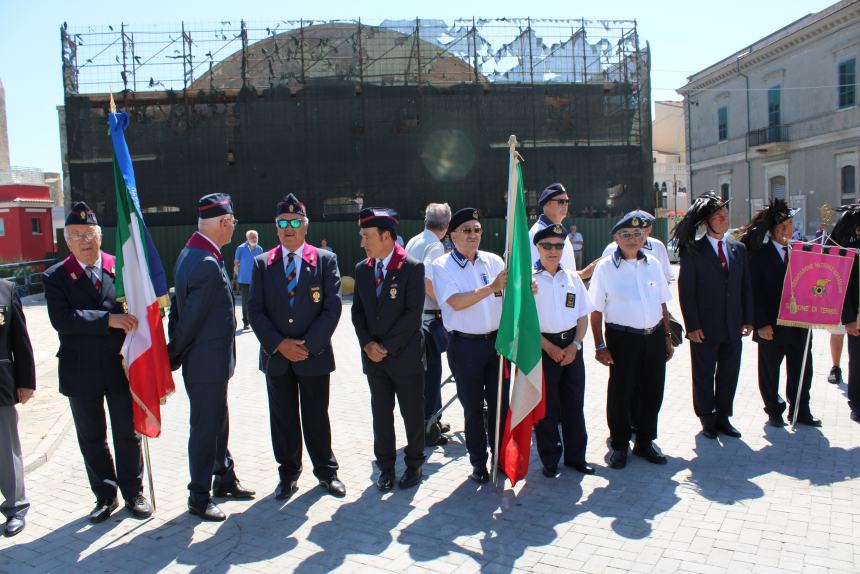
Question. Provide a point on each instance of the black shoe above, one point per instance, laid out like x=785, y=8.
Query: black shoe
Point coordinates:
x=709, y=431
x=103, y=509
x=835, y=376
x=808, y=420
x=550, y=471
x=618, y=459
x=582, y=467
x=649, y=453
x=246, y=326
x=725, y=427
x=385, y=480
x=139, y=506
x=208, y=511
x=14, y=525
x=234, y=490
x=334, y=486
x=775, y=421
x=285, y=489
x=480, y=474
x=411, y=477
x=855, y=416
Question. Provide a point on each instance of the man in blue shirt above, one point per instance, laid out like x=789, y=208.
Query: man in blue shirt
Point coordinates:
x=243, y=266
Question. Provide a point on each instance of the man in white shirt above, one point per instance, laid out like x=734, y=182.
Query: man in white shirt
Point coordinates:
x=427, y=247
x=554, y=202
x=576, y=240
x=629, y=292
x=468, y=284
x=651, y=246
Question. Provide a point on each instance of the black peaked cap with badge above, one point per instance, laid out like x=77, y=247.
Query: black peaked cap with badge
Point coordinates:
x=550, y=232
x=81, y=214
x=380, y=217
x=214, y=205
x=290, y=204
x=462, y=216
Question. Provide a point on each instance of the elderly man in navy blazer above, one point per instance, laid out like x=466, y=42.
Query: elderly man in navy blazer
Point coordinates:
x=91, y=326
x=202, y=331
x=715, y=292
x=294, y=307
x=387, y=313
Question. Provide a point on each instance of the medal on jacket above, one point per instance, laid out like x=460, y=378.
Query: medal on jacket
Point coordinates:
x=393, y=292
x=315, y=294
x=3, y=310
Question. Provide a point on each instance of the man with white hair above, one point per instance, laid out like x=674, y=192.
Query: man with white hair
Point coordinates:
x=202, y=339
x=427, y=247
x=243, y=265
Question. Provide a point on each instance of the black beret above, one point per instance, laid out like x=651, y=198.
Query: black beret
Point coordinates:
x=381, y=217
x=550, y=192
x=462, y=216
x=81, y=214
x=633, y=219
x=214, y=205
x=556, y=231
x=290, y=204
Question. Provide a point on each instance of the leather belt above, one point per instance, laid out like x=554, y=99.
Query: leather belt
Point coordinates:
x=485, y=336
x=633, y=330
x=563, y=336
x=436, y=313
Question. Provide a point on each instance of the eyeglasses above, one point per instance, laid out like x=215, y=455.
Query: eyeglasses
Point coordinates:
x=561, y=201
x=232, y=220
x=628, y=235
x=471, y=230
x=284, y=223
x=551, y=246
x=89, y=236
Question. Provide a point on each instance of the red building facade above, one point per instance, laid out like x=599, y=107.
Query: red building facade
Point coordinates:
x=26, y=231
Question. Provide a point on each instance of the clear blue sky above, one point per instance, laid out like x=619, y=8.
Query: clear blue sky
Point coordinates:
x=685, y=37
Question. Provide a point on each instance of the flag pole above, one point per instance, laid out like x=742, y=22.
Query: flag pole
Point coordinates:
x=509, y=234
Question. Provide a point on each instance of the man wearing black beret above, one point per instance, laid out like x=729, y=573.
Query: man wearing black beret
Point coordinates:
x=554, y=202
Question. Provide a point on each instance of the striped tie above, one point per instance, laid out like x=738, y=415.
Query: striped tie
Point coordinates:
x=292, y=279
x=91, y=271
x=380, y=277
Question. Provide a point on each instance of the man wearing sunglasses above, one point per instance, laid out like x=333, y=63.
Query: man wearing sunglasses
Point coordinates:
x=629, y=293
x=468, y=284
x=294, y=306
x=554, y=201
x=651, y=246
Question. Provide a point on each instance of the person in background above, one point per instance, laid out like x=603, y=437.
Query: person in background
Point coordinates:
x=243, y=263
x=324, y=245
x=576, y=239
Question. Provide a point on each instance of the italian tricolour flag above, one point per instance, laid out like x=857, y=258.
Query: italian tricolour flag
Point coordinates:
x=519, y=339
x=142, y=286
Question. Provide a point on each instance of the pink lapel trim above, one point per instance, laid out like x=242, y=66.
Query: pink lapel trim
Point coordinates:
x=396, y=261
x=109, y=264
x=73, y=268
x=197, y=241
x=310, y=255
x=274, y=256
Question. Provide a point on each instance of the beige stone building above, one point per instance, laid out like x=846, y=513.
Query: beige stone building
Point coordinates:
x=669, y=149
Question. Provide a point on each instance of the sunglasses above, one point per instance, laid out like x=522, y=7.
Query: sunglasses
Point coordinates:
x=551, y=246
x=471, y=230
x=561, y=201
x=628, y=235
x=284, y=223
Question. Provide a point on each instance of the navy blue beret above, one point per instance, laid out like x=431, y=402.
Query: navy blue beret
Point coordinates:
x=214, y=205
x=550, y=192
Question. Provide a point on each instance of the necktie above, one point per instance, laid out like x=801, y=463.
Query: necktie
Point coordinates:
x=722, y=254
x=91, y=272
x=380, y=277
x=785, y=254
x=292, y=278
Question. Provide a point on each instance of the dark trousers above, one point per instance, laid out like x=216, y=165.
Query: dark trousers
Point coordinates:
x=565, y=396
x=432, y=377
x=91, y=428
x=475, y=365
x=298, y=407
x=788, y=345
x=716, y=366
x=639, y=365
x=409, y=392
x=854, y=373
x=243, y=290
x=208, y=455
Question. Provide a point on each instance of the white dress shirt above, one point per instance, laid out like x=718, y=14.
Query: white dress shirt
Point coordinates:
x=452, y=274
x=781, y=249
x=297, y=257
x=568, y=261
x=384, y=264
x=653, y=247
x=561, y=299
x=629, y=292
x=426, y=247
x=97, y=267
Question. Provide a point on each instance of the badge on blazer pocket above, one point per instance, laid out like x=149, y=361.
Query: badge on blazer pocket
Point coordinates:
x=316, y=294
x=392, y=293
x=4, y=311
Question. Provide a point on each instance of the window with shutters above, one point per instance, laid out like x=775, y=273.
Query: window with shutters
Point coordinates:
x=776, y=187
x=847, y=183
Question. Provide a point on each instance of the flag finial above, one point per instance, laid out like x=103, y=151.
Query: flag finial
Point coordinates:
x=512, y=142
x=112, y=104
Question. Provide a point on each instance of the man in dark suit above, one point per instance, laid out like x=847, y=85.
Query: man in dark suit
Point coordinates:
x=17, y=384
x=294, y=306
x=766, y=237
x=846, y=233
x=91, y=325
x=202, y=332
x=716, y=300
x=386, y=313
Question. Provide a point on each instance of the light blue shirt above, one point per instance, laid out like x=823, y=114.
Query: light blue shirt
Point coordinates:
x=245, y=256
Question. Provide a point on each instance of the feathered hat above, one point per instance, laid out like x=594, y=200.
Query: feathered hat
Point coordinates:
x=705, y=205
x=845, y=230
x=754, y=234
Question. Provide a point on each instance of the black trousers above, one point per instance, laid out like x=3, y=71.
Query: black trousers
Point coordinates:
x=716, y=366
x=787, y=344
x=565, y=396
x=298, y=407
x=475, y=365
x=639, y=365
x=409, y=392
x=208, y=455
x=243, y=290
x=432, y=377
x=854, y=373
x=91, y=428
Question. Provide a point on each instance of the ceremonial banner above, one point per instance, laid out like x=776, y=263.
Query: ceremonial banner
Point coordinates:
x=815, y=284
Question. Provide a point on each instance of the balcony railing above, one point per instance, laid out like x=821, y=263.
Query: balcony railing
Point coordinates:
x=772, y=134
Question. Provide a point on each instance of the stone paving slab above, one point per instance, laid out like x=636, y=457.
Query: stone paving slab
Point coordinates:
x=773, y=501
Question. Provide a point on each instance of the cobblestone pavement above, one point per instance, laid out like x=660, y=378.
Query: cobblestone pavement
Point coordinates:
x=773, y=501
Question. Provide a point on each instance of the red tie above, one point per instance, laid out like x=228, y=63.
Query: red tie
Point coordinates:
x=722, y=254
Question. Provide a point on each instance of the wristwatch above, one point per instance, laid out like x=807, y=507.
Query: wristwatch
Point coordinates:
x=578, y=344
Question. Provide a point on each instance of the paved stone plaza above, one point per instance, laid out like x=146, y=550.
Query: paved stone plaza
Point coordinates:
x=773, y=501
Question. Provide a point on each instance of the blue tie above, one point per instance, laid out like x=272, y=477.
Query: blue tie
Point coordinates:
x=380, y=277
x=292, y=278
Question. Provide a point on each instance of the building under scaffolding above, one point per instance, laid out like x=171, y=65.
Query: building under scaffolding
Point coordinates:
x=348, y=114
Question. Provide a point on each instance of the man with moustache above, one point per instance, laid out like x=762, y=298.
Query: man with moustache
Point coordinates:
x=294, y=307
